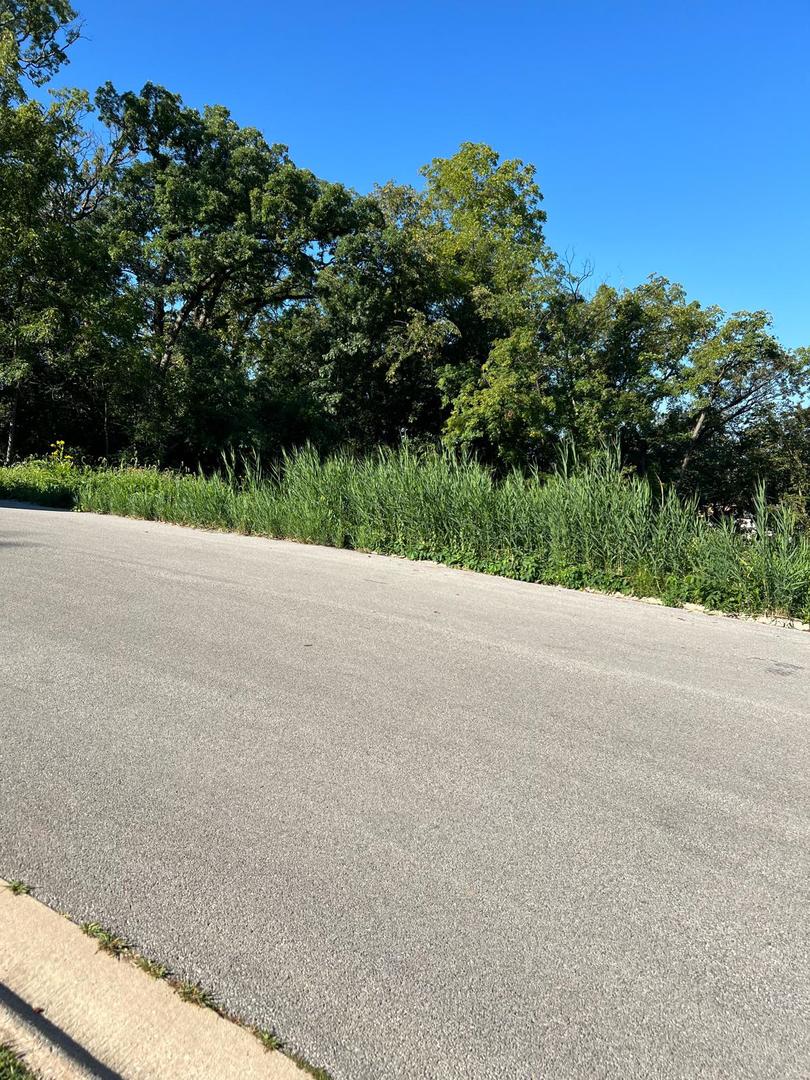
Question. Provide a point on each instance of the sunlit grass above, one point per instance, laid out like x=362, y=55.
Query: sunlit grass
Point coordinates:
x=588, y=525
x=12, y=1066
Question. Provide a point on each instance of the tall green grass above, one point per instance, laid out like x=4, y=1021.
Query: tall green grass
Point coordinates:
x=588, y=525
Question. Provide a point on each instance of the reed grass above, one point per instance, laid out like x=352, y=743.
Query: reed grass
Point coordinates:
x=587, y=525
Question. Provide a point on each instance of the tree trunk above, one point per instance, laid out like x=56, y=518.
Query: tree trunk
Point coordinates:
x=643, y=451
x=12, y=424
x=693, y=440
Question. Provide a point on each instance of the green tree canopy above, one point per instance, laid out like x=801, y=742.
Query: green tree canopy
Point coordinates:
x=34, y=38
x=173, y=285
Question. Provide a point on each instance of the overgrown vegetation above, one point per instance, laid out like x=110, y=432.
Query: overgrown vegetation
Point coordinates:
x=593, y=524
x=173, y=285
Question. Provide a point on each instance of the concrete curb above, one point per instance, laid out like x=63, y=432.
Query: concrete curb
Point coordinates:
x=73, y=1012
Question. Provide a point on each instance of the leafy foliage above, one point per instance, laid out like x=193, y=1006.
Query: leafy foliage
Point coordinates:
x=173, y=286
x=34, y=38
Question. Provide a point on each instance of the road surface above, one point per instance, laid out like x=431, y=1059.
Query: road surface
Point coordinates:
x=426, y=823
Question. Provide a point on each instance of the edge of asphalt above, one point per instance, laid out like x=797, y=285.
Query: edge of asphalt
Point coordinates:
x=72, y=1011
x=785, y=623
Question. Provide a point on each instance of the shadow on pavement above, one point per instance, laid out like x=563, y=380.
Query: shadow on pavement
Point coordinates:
x=33, y=1019
x=13, y=504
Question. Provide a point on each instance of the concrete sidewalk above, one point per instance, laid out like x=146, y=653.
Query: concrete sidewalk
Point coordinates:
x=74, y=1012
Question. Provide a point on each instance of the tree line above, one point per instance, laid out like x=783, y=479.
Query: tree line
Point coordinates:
x=173, y=286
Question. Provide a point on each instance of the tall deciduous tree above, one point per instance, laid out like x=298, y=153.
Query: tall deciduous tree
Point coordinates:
x=735, y=373
x=214, y=228
x=53, y=263
x=50, y=174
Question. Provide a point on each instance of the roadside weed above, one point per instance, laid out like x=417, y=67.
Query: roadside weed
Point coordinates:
x=193, y=993
x=19, y=888
x=151, y=967
x=108, y=941
x=12, y=1066
x=269, y=1039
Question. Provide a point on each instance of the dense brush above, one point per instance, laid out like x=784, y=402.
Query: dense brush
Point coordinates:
x=588, y=524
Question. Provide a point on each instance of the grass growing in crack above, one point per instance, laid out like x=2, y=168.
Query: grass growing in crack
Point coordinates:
x=269, y=1039
x=12, y=1066
x=19, y=888
x=108, y=941
x=118, y=946
x=193, y=993
x=186, y=990
x=314, y=1070
x=151, y=967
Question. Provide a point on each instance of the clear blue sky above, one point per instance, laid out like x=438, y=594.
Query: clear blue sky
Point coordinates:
x=668, y=137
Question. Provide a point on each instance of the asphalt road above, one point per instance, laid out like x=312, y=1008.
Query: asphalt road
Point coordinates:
x=426, y=823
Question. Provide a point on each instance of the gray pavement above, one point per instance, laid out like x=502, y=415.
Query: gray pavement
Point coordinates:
x=426, y=823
